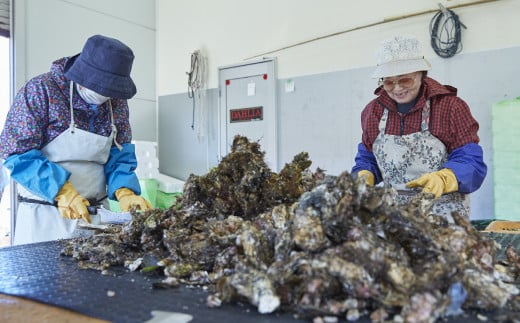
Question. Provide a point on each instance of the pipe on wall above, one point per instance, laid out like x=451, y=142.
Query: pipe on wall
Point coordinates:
x=384, y=21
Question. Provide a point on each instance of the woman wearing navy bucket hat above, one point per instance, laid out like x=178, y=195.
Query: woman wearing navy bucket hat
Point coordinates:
x=67, y=142
x=418, y=135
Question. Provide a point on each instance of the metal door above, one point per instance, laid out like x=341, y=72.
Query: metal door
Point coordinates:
x=247, y=103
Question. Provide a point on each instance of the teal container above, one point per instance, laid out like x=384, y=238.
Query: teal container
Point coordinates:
x=506, y=159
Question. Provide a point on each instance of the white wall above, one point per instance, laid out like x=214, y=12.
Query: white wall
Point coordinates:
x=45, y=30
x=5, y=89
x=231, y=31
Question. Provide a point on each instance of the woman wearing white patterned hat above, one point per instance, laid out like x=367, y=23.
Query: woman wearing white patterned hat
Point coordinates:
x=418, y=134
x=67, y=141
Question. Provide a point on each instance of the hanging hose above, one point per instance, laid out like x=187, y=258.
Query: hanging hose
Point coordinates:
x=195, y=79
x=446, y=39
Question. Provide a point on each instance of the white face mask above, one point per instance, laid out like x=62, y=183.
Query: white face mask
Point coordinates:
x=90, y=96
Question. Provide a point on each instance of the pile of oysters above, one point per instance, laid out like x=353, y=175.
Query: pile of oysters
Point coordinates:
x=319, y=246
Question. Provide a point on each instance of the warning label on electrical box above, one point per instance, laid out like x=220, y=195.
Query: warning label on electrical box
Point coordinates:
x=246, y=114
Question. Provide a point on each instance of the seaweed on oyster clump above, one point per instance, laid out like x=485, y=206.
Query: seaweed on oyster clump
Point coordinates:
x=312, y=244
x=204, y=220
x=243, y=185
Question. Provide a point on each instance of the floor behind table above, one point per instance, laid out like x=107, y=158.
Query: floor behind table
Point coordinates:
x=5, y=218
x=16, y=309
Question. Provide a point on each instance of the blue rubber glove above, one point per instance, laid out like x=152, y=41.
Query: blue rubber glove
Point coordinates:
x=120, y=170
x=37, y=174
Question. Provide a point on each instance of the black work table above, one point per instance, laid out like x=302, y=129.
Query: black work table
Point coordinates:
x=38, y=272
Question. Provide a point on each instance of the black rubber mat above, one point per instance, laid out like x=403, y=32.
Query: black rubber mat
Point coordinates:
x=38, y=272
x=481, y=224
x=504, y=239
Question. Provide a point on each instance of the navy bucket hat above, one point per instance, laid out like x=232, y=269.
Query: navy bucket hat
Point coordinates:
x=103, y=66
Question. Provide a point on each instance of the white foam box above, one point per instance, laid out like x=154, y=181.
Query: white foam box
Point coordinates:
x=147, y=161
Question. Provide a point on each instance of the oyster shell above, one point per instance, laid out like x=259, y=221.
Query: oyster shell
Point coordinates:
x=322, y=246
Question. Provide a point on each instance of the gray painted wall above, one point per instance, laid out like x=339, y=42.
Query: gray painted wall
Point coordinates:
x=322, y=117
x=183, y=150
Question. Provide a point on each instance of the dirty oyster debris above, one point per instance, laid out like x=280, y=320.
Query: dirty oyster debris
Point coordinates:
x=317, y=245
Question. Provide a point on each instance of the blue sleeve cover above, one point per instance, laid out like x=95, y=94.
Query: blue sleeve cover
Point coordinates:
x=120, y=170
x=468, y=165
x=365, y=160
x=37, y=174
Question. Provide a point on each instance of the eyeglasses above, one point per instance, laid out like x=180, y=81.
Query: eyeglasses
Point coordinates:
x=404, y=82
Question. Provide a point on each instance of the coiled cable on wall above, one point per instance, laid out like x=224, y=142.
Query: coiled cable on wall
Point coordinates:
x=445, y=33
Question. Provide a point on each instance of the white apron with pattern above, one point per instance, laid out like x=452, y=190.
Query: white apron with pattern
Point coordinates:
x=84, y=154
x=405, y=158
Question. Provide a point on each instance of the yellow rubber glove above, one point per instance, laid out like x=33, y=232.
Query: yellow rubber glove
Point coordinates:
x=438, y=183
x=367, y=176
x=127, y=200
x=72, y=205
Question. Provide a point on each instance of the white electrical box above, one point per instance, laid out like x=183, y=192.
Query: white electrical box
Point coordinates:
x=247, y=103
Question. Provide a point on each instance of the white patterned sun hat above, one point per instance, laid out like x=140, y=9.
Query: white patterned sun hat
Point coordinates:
x=399, y=55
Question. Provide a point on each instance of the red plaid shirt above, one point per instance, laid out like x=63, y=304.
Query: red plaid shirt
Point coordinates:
x=450, y=117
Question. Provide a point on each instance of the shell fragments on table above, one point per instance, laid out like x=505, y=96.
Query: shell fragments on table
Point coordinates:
x=313, y=244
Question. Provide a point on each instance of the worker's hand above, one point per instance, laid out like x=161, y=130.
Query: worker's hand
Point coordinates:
x=127, y=200
x=438, y=183
x=367, y=176
x=72, y=205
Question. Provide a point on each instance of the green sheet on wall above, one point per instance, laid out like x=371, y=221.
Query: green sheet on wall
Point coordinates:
x=506, y=159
